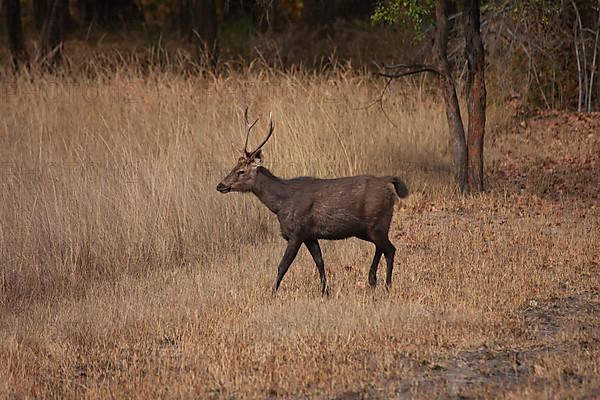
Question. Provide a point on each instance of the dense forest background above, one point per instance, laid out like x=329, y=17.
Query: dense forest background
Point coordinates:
x=540, y=53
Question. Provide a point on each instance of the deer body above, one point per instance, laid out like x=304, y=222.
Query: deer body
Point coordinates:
x=333, y=209
x=309, y=209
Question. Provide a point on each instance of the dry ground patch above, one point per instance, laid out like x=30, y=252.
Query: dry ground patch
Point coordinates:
x=125, y=274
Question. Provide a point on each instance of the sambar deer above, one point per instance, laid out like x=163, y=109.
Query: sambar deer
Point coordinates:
x=310, y=208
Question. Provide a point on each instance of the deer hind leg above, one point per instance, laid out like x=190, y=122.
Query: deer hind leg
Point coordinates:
x=374, y=266
x=290, y=253
x=378, y=235
x=389, y=251
x=383, y=244
x=315, y=251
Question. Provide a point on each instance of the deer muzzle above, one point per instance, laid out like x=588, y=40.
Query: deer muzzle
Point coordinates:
x=223, y=188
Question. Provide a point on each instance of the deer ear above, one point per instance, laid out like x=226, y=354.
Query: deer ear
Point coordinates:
x=257, y=158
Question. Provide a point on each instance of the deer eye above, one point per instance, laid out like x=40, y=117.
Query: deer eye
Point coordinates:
x=240, y=172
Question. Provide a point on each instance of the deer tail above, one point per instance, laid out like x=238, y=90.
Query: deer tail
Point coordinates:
x=400, y=186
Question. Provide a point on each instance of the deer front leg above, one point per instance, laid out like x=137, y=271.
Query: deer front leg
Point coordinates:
x=289, y=255
x=315, y=251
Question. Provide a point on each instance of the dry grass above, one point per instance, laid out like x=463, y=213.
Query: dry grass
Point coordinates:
x=125, y=274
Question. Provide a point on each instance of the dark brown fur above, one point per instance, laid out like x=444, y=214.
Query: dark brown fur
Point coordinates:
x=309, y=209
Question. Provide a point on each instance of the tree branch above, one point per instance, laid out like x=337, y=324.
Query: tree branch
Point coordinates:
x=408, y=69
x=379, y=101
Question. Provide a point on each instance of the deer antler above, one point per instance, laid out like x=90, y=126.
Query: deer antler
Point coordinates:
x=247, y=126
x=271, y=128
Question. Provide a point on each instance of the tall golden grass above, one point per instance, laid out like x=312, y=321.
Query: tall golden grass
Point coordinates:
x=117, y=174
x=125, y=274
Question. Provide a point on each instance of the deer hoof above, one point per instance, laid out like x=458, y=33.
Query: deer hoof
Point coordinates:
x=372, y=282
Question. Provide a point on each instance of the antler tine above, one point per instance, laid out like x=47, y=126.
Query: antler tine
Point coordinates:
x=271, y=129
x=247, y=126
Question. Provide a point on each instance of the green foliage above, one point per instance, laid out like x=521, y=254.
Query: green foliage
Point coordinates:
x=417, y=11
x=543, y=10
x=386, y=12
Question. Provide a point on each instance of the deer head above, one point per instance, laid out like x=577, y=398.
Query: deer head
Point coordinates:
x=242, y=176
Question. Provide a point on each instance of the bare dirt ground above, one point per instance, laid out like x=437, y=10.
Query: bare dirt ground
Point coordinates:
x=556, y=172
x=493, y=370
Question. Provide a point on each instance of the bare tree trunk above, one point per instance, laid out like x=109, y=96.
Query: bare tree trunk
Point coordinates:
x=115, y=13
x=455, y=124
x=182, y=18
x=476, y=94
x=583, y=89
x=15, y=33
x=40, y=13
x=85, y=12
x=594, y=64
x=580, y=70
x=52, y=34
x=205, y=30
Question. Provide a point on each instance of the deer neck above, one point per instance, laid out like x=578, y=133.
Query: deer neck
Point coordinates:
x=270, y=189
